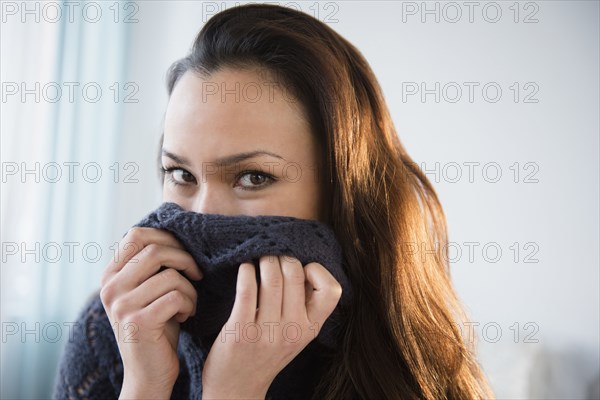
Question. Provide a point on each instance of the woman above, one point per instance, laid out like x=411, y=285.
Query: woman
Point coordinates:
x=275, y=88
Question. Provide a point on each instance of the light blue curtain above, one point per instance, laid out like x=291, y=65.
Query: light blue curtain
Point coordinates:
x=55, y=220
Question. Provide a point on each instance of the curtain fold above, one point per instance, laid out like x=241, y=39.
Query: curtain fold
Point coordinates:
x=60, y=142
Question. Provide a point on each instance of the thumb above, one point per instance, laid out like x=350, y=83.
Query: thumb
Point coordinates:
x=326, y=293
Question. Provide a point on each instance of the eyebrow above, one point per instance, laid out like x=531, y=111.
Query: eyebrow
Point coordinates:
x=224, y=161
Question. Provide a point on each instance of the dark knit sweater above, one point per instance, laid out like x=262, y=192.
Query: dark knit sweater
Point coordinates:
x=91, y=365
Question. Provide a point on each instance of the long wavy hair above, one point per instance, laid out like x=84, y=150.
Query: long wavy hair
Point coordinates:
x=402, y=339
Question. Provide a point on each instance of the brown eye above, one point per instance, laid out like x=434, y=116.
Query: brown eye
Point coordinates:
x=257, y=179
x=182, y=176
x=252, y=180
x=179, y=176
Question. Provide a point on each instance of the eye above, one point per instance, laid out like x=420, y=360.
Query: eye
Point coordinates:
x=178, y=176
x=254, y=180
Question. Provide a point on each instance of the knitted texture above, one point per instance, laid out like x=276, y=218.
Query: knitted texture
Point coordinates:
x=219, y=244
x=91, y=365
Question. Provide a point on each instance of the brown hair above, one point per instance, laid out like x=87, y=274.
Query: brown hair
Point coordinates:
x=402, y=338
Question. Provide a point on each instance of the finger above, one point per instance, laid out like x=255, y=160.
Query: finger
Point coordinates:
x=244, y=306
x=326, y=292
x=171, y=304
x=150, y=260
x=159, y=285
x=132, y=243
x=294, y=299
x=270, y=292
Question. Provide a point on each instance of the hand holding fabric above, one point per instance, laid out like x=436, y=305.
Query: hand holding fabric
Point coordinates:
x=145, y=308
x=259, y=340
x=167, y=252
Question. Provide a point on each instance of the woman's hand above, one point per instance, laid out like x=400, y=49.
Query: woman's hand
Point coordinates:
x=145, y=308
x=259, y=340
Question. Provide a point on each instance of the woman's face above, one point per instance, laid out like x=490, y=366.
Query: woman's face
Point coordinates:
x=239, y=144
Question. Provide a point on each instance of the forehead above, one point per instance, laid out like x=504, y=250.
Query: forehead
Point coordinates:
x=235, y=109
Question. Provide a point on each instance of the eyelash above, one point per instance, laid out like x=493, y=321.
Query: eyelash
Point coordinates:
x=167, y=171
x=270, y=178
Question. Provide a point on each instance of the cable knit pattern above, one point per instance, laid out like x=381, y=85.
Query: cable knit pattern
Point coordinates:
x=91, y=365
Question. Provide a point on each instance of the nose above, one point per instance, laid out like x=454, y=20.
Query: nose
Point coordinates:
x=210, y=200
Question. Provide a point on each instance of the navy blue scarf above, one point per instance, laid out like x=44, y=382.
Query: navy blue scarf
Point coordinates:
x=91, y=366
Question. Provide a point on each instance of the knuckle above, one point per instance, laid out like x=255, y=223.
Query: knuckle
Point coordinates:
x=314, y=265
x=273, y=281
x=297, y=278
x=106, y=294
x=136, y=319
x=187, y=287
x=245, y=295
x=174, y=296
x=271, y=277
x=334, y=290
x=170, y=274
x=188, y=306
x=152, y=250
x=293, y=274
x=119, y=309
x=289, y=258
x=134, y=235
